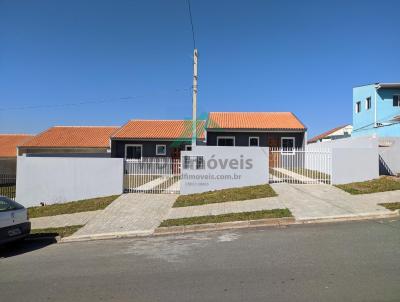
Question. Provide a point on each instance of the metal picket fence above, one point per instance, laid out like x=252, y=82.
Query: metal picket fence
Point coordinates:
x=152, y=175
x=7, y=185
x=300, y=166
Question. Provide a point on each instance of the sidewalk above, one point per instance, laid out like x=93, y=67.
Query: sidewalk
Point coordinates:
x=141, y=214
x=306, y=202
x=63, y=220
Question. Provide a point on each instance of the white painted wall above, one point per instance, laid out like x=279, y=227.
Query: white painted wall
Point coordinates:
x=61, y=179
x=390, y=156
x=240, y=166
x=351, y=142
x=354, y=164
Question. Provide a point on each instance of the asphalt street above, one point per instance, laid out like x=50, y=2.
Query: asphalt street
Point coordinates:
x=354, y=261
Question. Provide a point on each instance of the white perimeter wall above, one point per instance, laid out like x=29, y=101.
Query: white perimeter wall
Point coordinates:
x=390, y=156
x=227, y=162
x=61, y=179
x=351, y=142
x=354, y=164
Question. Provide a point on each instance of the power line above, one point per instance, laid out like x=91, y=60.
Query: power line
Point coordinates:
x=383, y=120
x=105, y=101
x=191, y=23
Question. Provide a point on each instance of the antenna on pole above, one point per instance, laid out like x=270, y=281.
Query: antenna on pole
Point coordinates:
x=194, y=99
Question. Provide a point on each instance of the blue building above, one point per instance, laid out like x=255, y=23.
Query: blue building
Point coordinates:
x=376, y=110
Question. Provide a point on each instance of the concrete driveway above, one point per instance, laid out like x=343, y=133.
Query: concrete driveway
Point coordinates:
x=325, y=201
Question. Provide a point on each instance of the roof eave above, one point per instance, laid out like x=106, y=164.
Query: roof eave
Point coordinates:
x=157, y=138
x=387, y=85
x=258, y=129
x=65, y=147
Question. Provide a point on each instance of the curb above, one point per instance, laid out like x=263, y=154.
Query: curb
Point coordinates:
x=268, y=223
x=271, y=222
x=106, y=236
x=57, y=239
x=350, y=217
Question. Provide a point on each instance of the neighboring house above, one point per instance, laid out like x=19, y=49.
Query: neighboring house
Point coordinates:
x=264, y=129
x=335, y=133
x=90, y=141
x=376, y=110
x=154, y=138
x=8, y=151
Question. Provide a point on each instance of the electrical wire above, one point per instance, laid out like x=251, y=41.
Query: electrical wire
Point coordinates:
x=191, y=23
x=105, y=101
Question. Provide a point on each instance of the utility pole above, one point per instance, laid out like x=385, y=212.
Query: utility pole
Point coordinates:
x=194, y=99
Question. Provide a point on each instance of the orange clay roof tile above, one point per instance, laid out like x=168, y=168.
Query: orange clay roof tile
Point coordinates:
x=325, y=134
x=254, y=120
x=159, y=129
x=73, y=137
x=9, y=143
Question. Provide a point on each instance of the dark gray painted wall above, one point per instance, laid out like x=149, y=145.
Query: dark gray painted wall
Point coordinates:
x=242, y=138
x=8, y=166
x=148, y=147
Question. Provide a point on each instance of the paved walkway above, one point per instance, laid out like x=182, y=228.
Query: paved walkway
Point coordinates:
x=130, y=214
x=63, y=220
x=140, y=214
x=304, y=201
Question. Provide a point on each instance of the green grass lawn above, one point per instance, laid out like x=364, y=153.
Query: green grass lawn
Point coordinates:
x=391, y=205
x=53, y=232
x=275, y=213
x=7, y=190
x=312, y=173
x=72, y=207
x=383, y=184
x=235, y=194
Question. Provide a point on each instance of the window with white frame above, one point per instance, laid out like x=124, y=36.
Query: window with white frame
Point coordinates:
x=133, y=151
x=358, y=107
x=161, y=149
x=254, y=141
x=288, y=145
x=193, y=162
x=368, y=103
x=396, y=100
x=225, y=141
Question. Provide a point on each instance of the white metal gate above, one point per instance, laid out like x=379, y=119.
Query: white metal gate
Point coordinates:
x=152, y=175
x=300, y=166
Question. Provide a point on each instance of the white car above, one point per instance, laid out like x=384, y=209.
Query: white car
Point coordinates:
x=14, y=222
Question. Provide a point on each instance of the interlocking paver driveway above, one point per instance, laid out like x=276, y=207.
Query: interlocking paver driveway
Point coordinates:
x=130, y=214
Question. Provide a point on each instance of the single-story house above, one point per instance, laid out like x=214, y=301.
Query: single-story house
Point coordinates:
x=8, y=151
x=340, y=132
x=264, y=129
x=154, y=138
x=80, y=141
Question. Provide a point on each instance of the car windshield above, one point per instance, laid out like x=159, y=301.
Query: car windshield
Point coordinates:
x=7, y=204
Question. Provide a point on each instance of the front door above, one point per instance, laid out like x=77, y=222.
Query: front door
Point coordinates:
x=273, y=144
x=176, y=153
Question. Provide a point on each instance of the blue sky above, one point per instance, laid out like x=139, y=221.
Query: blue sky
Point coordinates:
x=133, y=59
